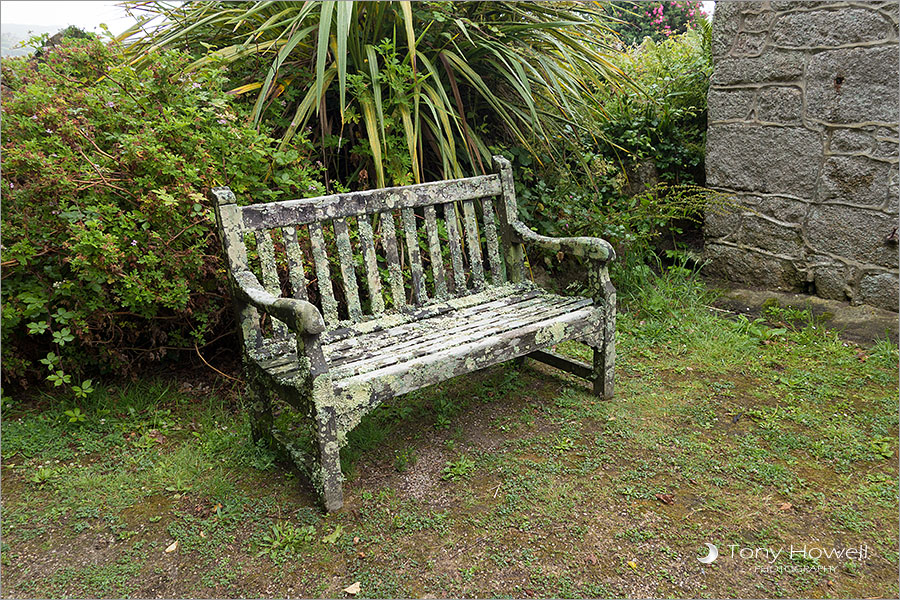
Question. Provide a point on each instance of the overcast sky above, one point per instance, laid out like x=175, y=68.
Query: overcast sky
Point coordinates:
x=87, y=15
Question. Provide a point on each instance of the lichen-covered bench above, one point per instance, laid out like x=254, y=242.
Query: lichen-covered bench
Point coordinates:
x=448, y=297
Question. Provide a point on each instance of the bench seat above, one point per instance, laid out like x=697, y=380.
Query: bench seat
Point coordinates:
x=404, y=351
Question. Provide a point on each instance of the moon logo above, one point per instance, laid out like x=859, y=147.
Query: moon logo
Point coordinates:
x=713, y=554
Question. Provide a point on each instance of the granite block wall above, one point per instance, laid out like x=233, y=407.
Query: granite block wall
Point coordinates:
x=803, y=134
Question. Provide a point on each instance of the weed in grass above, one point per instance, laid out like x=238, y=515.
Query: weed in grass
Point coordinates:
x=461, y=468
x=404, y=458
x=285, y=539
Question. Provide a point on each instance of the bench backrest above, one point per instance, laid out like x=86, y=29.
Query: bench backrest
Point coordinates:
x=343, y=253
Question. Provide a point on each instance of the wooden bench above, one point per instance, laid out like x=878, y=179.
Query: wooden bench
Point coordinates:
x=448, y=297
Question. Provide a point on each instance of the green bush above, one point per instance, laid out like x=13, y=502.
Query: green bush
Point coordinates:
x=663, y=127
x=110, y=256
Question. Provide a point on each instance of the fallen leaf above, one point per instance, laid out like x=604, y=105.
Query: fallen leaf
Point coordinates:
x=352, y=589
x=666, y=498
x=203, y=534
x=632, y=564
x=786, y=506
x=610, y=418
x=361, y=554
x=356, y=539
x=172, y=547
x=591, y=558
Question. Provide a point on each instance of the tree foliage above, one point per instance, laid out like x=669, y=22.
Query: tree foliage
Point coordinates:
x=400, y=92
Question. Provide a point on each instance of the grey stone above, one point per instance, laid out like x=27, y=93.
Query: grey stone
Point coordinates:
x=854, y=180
x=749, y=44
x=852, y=233
x=893, y=190
x=764, y=234
x=831, y=281
x=753, y=268
x=780, y=104
x=830, y=28
x=757, y=22
x=880, y=289
x=720, y=222
x=725, y=26
x=786, y=210
x=849, y=141
x=887, y=148
x=853, y=85
x=784, y=5
x=779, y=160
x=729, y=104
x=770, y=67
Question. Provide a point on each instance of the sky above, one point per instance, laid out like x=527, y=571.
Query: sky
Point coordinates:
x=87, y=15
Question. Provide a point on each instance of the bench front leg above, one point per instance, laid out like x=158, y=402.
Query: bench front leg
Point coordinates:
x=604, y=295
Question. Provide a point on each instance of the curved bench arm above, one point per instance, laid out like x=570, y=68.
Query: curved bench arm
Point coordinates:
x=301, y=316
x=587, y=247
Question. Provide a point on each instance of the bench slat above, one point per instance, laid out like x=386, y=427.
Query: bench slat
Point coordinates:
x=473, y=241
x=370, y=258
x=434, y=252
x=415, y=260
x=295, y=262
x=325, y=208
x=459, y=274
x=389, y=239
x=348, y=270
x=493, y=243
x=323, y=274
x=266, y=250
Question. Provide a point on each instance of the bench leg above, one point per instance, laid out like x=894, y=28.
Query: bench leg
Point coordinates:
x=328, y=478
x=260, y=409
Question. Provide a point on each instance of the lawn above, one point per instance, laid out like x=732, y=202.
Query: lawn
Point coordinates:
x=514, y=482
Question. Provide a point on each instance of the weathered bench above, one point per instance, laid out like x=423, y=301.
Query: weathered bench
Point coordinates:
x=457, y=299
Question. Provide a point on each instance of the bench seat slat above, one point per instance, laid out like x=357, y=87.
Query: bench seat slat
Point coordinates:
x=325, y=208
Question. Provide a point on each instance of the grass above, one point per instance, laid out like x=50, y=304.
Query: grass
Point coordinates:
x=512, y=482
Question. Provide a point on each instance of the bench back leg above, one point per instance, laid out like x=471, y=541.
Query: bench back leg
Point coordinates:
x=259, y=407
x=604, y=295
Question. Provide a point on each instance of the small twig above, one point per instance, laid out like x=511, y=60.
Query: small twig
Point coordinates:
x=497, y=489
x=241, y=381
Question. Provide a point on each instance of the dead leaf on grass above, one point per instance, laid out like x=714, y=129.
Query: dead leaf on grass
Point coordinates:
x=352, y=589
x=666, y=498
x=172, y=547
x=786, y=506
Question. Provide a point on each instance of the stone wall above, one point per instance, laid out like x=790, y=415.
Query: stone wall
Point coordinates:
x=803, y=134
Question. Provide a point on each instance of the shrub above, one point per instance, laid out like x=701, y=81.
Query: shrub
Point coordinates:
x=110, y=256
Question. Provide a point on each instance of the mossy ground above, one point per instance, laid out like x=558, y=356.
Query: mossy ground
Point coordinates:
x=509, y=482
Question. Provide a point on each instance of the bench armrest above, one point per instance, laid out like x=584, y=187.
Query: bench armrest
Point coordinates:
x=588, y=247
x=301, y=316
